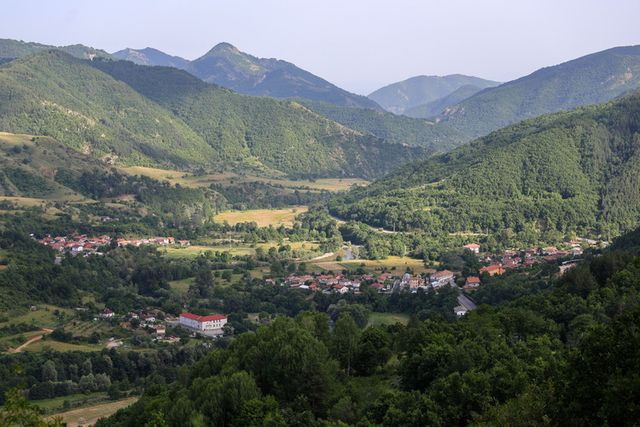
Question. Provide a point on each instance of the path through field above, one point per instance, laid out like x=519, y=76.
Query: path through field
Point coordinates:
x=88, y=416
x=30, y=341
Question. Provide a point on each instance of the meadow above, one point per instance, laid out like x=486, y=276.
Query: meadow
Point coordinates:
x=262, y=217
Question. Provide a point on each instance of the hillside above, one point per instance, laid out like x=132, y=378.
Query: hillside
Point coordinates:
x=591, y=79
x=396, y=129
x=164, y=116
x=283, y=135
x=227, y=66
x=570, y=171
x=18, y=49
x=401, y=96
x=433, y=108
x=150, y=56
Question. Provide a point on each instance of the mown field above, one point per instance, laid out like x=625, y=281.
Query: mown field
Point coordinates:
x=88, y=415
x=392, y=263
x=262, y=217
x=236, y=248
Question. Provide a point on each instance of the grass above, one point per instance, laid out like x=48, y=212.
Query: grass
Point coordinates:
x=382, y=319
x=392, y=263
x=187, y=179
x=42, y=317
x=49, y=344
x=263, y=217
x=181, y=286
x=90, y=414
x=197, y=250
x=56, y=404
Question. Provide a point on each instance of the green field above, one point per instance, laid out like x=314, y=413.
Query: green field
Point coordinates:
x=42, y=317
x=56, y=404
x=181, y=286
x=381, y=319
x=46, y=344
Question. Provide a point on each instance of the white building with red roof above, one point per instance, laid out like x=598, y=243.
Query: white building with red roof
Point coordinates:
x=210, y=323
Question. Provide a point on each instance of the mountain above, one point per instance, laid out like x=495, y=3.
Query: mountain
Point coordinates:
x=137, y=115
x=10, y=49
x=227, y=66
x=591, y=79
x=151, y=56
x=401, y=96
x=569, y=171
x=433, y=108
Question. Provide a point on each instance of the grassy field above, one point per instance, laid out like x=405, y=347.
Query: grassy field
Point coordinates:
x=42, y=317
x=197, y=250
x=187, y=179
x=56, y=404
x=48, y=343
x=89, y=415
x=263, y=217
x=381, y=319
x=394, y=263
x=181, y=286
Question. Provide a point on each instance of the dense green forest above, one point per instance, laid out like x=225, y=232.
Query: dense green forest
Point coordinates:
x=568, y=172
x=163, y=116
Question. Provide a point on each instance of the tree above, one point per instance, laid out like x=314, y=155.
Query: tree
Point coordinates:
x=49, y=371
x=17, y=411
x=345, y=341
x=373, y=350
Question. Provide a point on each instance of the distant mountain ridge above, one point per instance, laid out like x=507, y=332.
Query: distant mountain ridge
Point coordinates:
x=151, y=56
x=591, y=79
x=227, y=66
x=415, y=91
x=11, y=49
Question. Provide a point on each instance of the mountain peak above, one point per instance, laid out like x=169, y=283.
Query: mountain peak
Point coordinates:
x=223, y=47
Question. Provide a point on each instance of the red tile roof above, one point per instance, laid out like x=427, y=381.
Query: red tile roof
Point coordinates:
x=208, y=318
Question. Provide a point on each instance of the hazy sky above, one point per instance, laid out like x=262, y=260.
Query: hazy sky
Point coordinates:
x=359, y=45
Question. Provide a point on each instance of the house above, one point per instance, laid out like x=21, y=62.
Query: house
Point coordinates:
x=210, y=323
x=465, y=306
x=471, y=283
x=473, y=247
x=107, y=314
x=341, y=289
x=441, y=278
x=492, y=270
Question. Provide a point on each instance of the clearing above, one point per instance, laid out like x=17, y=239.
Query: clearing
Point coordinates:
x=382, y=319
x=30, y=341
x=392, y=263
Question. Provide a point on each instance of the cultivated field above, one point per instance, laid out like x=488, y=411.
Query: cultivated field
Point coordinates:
x=263, y=217
x=399, y=264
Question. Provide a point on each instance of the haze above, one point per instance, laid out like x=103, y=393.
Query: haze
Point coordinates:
x=358, y=45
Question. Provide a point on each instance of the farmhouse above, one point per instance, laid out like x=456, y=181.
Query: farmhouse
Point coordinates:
x=471, y=283
x=492, y=270
x=211, y=323
x=473, y=247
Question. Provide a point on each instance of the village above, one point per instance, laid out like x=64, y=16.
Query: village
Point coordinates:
x=434, y=280
x=81, y=244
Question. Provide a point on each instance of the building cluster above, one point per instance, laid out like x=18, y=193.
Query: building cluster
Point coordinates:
x=76, y=244
x=152, y=320
x=158, y=241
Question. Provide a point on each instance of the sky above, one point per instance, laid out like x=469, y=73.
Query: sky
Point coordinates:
x=360, y=45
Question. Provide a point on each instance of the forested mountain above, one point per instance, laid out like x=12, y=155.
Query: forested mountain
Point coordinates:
x=18, y=49
x=433, y=108
x=160, y=115
x=591, y=79
x=227, y=66
x=392, y=128
x=570, y=171
x=150, y=56
x=402, y=96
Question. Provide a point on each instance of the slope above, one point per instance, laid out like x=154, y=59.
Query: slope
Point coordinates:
x=570, y=171
x=591, y=79
x=401, y=96
x=433, y=108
